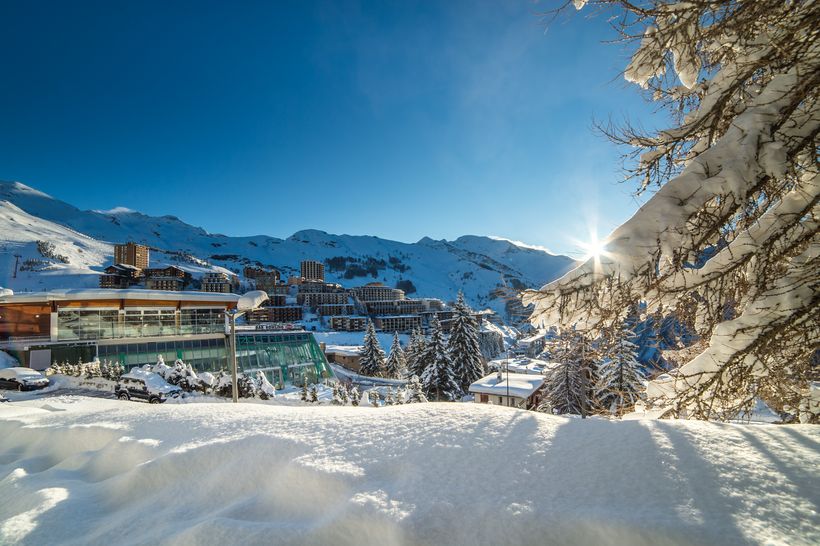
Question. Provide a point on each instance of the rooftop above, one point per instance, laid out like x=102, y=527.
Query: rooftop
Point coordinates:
x=116, y=294
x=520, y=385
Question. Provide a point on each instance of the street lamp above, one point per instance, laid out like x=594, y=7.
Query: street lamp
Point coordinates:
x=247, y=302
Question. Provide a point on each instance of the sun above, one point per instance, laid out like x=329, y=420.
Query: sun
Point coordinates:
x=594, y=248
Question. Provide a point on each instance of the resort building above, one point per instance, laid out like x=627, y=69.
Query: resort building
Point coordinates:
x=376, y=291
x=120, y=276
x=311, y=270
x=166, y=278
x=276, y=313
x=394, y=307
x=400, y=323
x=218, y=281
x=348, y=323
x=314, y=299
x=330, y=309
x=264, y=279
x=134, y=326
x=132, y=254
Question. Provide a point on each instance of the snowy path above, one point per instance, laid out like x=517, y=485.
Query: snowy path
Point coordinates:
x=93, y=471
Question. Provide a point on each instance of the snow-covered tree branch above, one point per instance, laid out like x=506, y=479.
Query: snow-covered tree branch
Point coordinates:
x=730, y=237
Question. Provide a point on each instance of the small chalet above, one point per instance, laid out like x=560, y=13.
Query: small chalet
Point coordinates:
x=518, y=390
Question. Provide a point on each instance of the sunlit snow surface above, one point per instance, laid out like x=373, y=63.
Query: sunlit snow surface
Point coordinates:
x=77, y=470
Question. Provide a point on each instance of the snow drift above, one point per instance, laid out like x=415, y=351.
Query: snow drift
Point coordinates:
x=89, y=471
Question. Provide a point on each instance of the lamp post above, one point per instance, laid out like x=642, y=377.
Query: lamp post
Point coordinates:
x=247, y=302
x=508, y=376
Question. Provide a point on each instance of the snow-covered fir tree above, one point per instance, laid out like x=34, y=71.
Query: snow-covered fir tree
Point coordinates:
x=303, y=393
x=314, y=394
x=464, y=347
x=620, y=379
x=223, y=384
x=337, y=394
x=246, y=386
x=355, y=396
x=389, y=398
x=373, y=397
x=266, y=390
x=729, y=237
x=396, y=366
x=372, y=359
x=414, y=354
x=570, y=383
x=415, y=391
x=438, y=378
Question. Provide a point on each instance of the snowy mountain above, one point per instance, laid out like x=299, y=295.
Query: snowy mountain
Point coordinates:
x=479, y=266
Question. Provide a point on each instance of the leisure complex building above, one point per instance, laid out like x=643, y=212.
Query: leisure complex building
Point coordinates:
x=134, y=326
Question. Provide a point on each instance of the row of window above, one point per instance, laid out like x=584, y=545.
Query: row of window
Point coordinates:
x=111, y=324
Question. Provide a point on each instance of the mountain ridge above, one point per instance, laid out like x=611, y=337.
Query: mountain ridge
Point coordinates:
x=483, y=267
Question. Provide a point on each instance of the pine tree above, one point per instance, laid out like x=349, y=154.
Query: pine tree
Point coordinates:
x=245, y=386
x=620, y=379
x=304, y=392
x=438, y=379
x=415, y=353
x=314, y=394
x=355, y=396
x=415, y=392
x=373, y=397
x=570, y=384
x=389, y=400
x=372, y=359
x=396, y=365
x=337, y=394
x=464, y=346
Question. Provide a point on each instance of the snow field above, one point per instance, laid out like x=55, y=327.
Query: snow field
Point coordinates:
x=92, y=471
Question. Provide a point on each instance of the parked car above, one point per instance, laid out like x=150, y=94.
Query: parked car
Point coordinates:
x=143, y=385
x=22, y=379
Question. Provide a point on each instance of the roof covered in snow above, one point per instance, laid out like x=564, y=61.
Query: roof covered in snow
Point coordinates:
x=116, y=294
x=520, y=385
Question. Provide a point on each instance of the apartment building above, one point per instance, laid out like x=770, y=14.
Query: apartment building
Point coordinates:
x=120, y=276
x=400, y=323
x=348, y=323
x=314, y=299
x=264, y=279
x=132, y=254
x=394, y=307
x=220, y=282
x=311, y=270
x=376, y=292
x=330, y=309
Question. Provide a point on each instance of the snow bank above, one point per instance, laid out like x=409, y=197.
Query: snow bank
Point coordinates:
x=101, y=471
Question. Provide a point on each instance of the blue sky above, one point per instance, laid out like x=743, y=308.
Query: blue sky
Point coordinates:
x=396, y=119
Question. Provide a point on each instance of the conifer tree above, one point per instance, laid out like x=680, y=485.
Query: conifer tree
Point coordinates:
x=355, y=396
x=314, y=394
x=373, y=397
x=415, y=392
x=570, y=384
x=620, y=379
x=396, y=365
x=464, y=346
x=372, y=355
x=337, y=394
x=415, y=353
x=304, y=393
x=438, y=379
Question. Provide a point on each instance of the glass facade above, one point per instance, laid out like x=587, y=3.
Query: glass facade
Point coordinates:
x=293, y=357
x=287, y=357
x=76, y=324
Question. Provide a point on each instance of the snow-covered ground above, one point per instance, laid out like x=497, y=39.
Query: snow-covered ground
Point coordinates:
x=76, y=470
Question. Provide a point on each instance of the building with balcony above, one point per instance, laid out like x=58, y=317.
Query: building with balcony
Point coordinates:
x=134, y=326
x=311, y=270
x=348, y=323
x=132, y=254
x=120, y=276
x=376, y=292
x=330, y=309
x=263, y=279
x=314, y=299
x=400, y=323
x=220, y=282
x=276, y=313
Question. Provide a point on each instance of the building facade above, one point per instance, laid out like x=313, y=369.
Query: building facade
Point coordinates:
x=311, y=270
x=348, y=323
x=399, y=323
x=219, y=282
x=132, y=254
x=133, y=327
x=313, y=299
x=330, y=309
x=264, y=279
x=376, y=292
x=120, y=276
x=276, y=313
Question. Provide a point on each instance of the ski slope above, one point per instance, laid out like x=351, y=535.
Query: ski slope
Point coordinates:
x=76, y=471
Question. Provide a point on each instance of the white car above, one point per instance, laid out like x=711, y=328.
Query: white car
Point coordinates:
x=22, y=379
